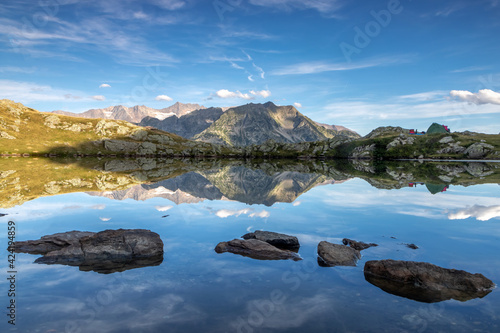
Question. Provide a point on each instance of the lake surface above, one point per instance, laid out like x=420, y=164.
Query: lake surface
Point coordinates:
x=451, y=212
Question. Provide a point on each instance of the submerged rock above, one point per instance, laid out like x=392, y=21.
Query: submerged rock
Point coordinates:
x=103, y=252
x=255, y=249
x=279, y=240
x=337, y=255
x=357, y=245
x=425, y=282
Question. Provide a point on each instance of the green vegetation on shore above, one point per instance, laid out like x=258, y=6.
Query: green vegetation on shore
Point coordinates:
x=27, y=131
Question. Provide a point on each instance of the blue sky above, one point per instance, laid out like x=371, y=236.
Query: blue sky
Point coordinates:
x=360, y=64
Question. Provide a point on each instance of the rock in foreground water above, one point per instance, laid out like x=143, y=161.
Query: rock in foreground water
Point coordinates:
x=104, y=252
x=425, y=282
x=357, y=245
x=279, y=240
x=337, y=255
x=255, y=249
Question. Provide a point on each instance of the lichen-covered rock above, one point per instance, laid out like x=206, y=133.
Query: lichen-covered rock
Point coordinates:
x=402, y=139
x=5, y=135
x=337, y=255
x=425, y=282
x=147, y=148
x=362, y=152
x=52, y=121
x=446, y=139
x=452, y=147
x=121, y=146
x=255, y=249
x=478, y=150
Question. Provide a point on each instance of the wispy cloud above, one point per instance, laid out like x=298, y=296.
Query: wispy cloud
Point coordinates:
x=469, y=69
x=13, y=69
x=99, y=98
x=322, y=6
x=94, y=32
x=26, y=92
x=426, y=96
x=315, y=67
x=104, y=85
x=395, y=111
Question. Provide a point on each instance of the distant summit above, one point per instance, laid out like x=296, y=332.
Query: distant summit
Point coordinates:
x=187, y=125
x=136, y=113
x=257, y=123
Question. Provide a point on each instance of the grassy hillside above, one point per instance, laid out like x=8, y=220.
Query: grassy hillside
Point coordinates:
x=27, y=131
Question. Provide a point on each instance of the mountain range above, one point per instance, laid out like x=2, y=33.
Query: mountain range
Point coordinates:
x=187, y=125
x=248, y=124
x=235, y=126
x=136, y=113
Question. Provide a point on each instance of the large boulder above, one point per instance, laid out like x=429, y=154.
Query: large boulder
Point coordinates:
x=402, y=139
x=478, y=150
x=279, y=240
x=425, y=282
x=104, y=252
x=337, y=255
x=255, y=249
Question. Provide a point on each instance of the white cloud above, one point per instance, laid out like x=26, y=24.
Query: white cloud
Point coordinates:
x=262, y=93
x=481, y=213
x=99, y=98
x=104, y=85
x=223, y=213
x=99, y=207
x=297, y=105
x=252, y=94
x=484, y=96
x=296, y=203
x=163, y=208
x=105, y=219
x=163, y=98
x=250, y=78
x=262, y=214
x=224, y=93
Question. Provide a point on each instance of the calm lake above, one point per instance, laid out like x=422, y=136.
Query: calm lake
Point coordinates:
x=450, y=211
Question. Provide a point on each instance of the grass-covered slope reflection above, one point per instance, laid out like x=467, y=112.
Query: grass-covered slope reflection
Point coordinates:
x=192, y=180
